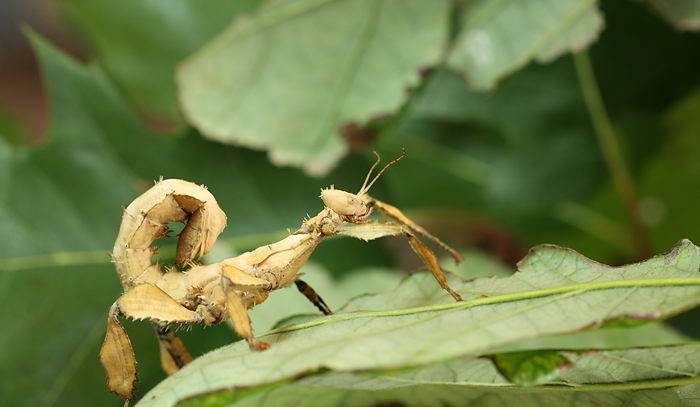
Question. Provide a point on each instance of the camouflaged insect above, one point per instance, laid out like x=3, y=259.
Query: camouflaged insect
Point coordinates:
x=210, y=294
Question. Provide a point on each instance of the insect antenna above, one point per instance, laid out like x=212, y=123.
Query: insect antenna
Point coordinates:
x=364, y=184
x=366, y=187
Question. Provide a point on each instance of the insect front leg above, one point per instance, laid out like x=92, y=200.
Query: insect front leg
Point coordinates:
x=431, y=262
x=396, y=214
x=313, y=296
x=374, y=230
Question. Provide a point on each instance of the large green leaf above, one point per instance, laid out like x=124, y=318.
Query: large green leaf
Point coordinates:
x=498, y=37
x=525, y=154
x=289, y=77
x=684, y=14
x=629, y=378
x=556, y=291
x=335, y=292
x=516, y=157
x=60, y=207
x=669, y=205
x=139, y=43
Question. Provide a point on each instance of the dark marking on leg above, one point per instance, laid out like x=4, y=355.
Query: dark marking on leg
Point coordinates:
x=313, y=297
x=173, y=347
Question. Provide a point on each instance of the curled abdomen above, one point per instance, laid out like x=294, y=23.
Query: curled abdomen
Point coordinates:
x=145, y=219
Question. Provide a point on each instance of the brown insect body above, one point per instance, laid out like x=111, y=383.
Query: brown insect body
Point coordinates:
x=209, y=294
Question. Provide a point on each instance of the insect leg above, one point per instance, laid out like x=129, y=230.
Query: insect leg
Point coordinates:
x=236, y=279
x=239, y=279
x=396, y=214
x=117, y=357
x=241, y=321
x=313, y=296
x=431, y=262
x=150, y=302
x=147, y=301
x=374, y=230
x=173, y=354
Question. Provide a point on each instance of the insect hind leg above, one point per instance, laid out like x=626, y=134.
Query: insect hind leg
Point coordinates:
x=241, y=321
x=173, y=354
x=313, y=296
x=117, y=357
x=148, y=302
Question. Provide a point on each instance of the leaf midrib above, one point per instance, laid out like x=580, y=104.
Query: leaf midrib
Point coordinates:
x=632, y=385
x=498, y=299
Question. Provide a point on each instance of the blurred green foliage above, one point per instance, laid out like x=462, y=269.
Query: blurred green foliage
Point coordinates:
x=140, y=43
x=498, y=170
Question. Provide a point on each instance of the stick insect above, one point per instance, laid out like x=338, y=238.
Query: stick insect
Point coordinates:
x=210, y=294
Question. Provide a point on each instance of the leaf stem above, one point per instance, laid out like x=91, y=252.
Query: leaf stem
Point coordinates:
x=612, y=153
x=575, y=289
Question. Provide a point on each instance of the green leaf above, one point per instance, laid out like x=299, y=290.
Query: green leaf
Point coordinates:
x=289, y=77
x=616, y=335
x=555, y=291
x=639, y=377
x=60, y=208
x=499, y=37
x=668, y=206
x=335, y=292
x=684, y=14
x=139, y=43
x=10, y=128
x=476, y=264
x=645, y=334
x=513, y=158
x=530, y=367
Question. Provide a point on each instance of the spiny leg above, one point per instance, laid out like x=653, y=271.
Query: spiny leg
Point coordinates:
x=173, y=354
x=241, y=321
x=396, y=214
x=235, y=278
x=430, y=260
x=374, y=230
x=313, y=296
x=116, y=355
x=147, y=301
x=239, y=279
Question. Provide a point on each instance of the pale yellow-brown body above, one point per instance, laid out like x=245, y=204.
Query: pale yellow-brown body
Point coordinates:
x=199, y=288
x=203, y=294
x=209, y=294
